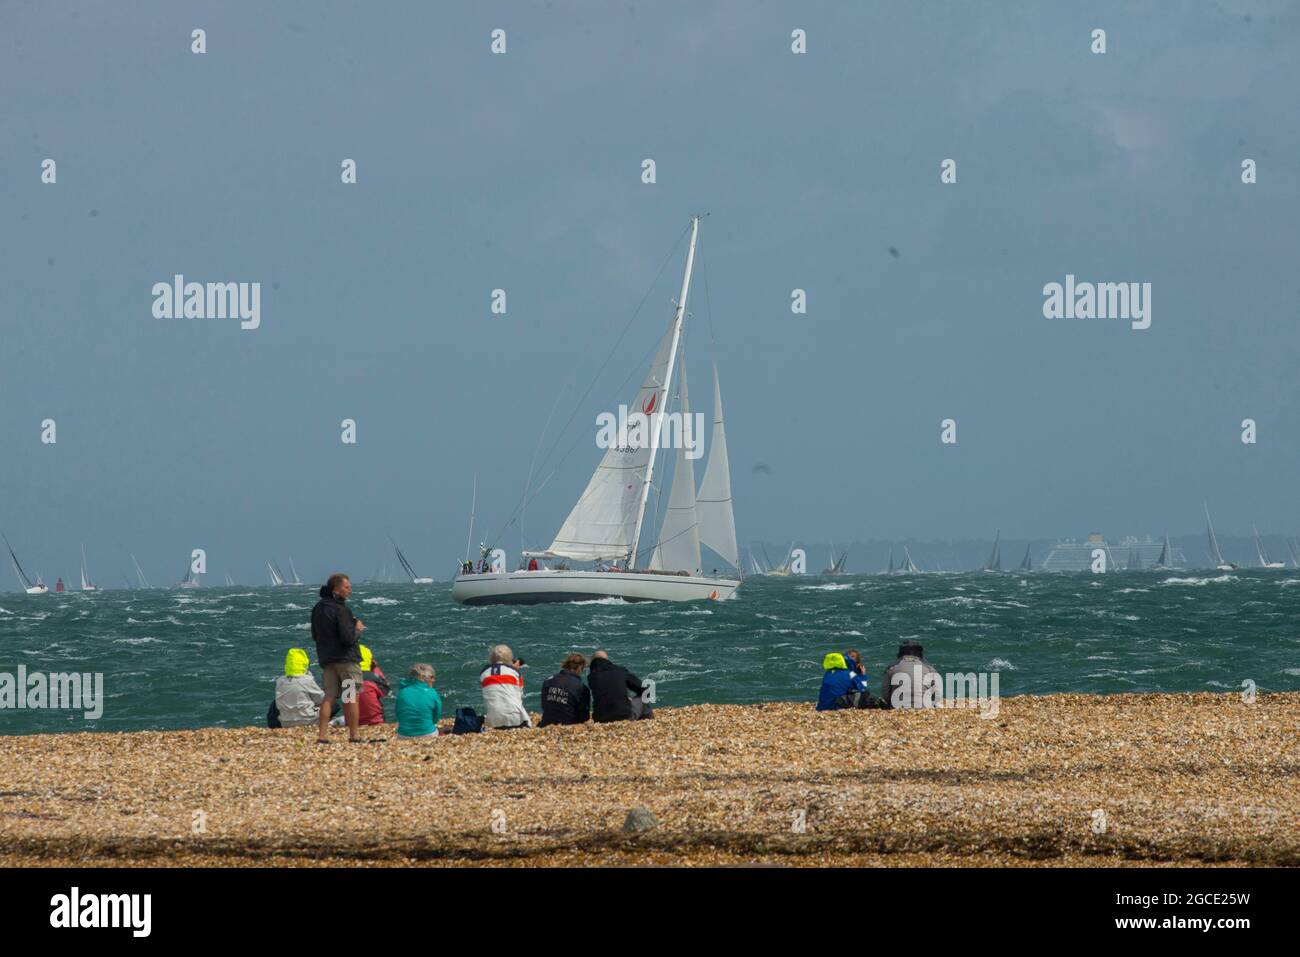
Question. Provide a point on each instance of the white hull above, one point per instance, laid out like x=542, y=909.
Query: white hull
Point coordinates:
x=551, y=585
x=421, y=581
x=37, y=590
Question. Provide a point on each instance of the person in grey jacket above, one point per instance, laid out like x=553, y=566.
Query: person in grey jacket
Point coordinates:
x=297, y=695
x=911, y=682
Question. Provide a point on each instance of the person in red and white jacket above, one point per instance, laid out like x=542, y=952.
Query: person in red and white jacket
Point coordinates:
x=503, y=690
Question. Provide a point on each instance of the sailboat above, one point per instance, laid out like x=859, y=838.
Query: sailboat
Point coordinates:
x=783, y=570
x=994, y=564
x=1216, y=556
x=32, y=588
x=607, y=525
x=86, y=583
x=190, y=580
x=837, y=564
x=277, y=576
x=1025, y=564
x=890, y=570
x=1166, y=557
x=755, y=566
x=1295, y=552
x=410, y=571
x=144, y=582
x=296, y=580
x=908, y=567
x=230, y=582
x=1264, y=561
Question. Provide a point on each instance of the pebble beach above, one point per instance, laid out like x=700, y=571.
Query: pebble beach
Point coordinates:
x=1142, y=779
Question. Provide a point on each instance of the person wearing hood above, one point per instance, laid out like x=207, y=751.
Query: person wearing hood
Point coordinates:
x=337, y=633
x=610, y=684
x=297, y=696
x=911, y=681
x=840, y=683
x=374, y=689
x=419, y=707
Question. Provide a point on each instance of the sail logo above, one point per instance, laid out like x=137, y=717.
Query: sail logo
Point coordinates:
x=58, y=691
x=179, y=299
x=629, y=431
x=1130, y=301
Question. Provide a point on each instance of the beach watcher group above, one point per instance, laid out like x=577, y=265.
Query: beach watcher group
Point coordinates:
x=352, y=677
x=845, y=683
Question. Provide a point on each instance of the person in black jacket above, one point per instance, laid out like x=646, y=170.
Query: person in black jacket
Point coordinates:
x=565, y=699
x=610, y=684
x=337, y=634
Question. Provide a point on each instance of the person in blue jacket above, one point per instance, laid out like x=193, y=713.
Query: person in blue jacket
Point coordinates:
x=419, y=709
x=839, y=683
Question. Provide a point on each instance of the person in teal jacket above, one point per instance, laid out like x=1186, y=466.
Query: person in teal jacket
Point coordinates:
x=419, y=709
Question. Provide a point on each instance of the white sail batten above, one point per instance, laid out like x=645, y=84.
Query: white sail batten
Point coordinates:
x=679, y=536
x=713, y=503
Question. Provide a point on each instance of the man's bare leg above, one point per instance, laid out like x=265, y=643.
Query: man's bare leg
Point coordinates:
x=352, y=715
x=326, y=710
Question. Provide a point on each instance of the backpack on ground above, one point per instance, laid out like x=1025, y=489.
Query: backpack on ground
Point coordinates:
x=468, y=721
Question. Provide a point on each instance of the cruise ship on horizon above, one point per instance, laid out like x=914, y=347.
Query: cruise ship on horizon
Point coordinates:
x=1073, y=555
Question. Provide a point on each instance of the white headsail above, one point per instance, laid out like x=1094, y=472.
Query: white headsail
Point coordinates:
x=713, y=503
x=679, y=537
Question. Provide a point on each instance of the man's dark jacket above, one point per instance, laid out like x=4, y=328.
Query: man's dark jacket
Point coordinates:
x=610, y=684
x=565, y=700
x=334, y=630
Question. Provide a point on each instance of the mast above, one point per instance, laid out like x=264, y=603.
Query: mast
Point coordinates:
x=667, y=389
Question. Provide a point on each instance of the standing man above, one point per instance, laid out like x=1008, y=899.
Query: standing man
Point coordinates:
x=337, y=634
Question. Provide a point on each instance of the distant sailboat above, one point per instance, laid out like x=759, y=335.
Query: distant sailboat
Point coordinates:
x=277, y=576
x=1025, y=564
x=1295, y=552
x=837, y=564
x=410, y=572
x=229, y=581
x=190, y=580
x=784, y=570
x=908, y=567
x=890, y=570
x=295, y=580
x=144, y=582
x=32, y=588
x=1216, y=556
x=994, y=564
x=86, y=583
x=1264, y=560
x=1166, y=556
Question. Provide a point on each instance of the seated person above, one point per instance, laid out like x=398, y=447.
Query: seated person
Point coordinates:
x=565, y=699
x=374, y=688
x=911, y=681
x=610, y=684
x=297, y=695
x=503, y=691
x=842, y=687
x=419, y=708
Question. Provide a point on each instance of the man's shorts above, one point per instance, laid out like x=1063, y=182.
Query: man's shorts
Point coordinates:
x=337, y=672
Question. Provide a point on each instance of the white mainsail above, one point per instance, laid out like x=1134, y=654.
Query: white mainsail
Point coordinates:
x=276, y=578
x=606, y=522
x=679, y=536
x=713, y=503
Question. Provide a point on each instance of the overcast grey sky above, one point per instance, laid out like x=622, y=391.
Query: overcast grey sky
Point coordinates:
x=523, y=171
